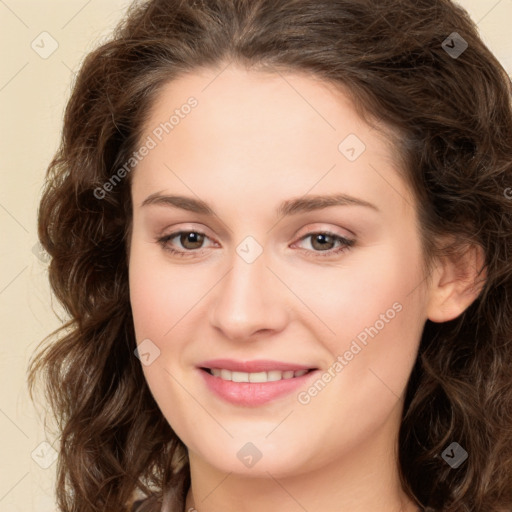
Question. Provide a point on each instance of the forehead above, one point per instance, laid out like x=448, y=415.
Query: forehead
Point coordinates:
x=286, y=105
x=259, y=130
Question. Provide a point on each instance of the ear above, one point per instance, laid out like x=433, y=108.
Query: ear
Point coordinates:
x=456, y=282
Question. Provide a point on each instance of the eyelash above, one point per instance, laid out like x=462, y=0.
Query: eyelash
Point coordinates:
x=346, y=243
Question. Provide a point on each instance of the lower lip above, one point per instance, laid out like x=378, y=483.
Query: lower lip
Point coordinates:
x=253, y=393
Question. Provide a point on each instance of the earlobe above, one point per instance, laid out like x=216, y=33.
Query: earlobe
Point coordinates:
x=457, y=281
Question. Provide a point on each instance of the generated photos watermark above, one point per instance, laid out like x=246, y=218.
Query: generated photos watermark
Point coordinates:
x=151, y=142
x=356, y=346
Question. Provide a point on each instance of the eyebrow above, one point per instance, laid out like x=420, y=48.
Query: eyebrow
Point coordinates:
x=289, y=207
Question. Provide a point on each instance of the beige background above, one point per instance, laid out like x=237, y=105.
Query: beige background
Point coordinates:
x=33, y=91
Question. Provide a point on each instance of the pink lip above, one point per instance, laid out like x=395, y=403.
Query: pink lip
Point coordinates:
x=250, y=394
x=258, y=365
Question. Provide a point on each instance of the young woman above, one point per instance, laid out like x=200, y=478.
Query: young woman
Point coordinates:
x=282, y=230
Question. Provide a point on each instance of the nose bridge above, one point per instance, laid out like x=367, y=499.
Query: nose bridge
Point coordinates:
x=249, y=297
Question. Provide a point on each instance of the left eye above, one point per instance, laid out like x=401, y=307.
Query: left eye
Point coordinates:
x=324, y=239
x=191, y=241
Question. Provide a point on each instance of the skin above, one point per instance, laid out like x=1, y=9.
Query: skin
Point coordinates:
x=254, y=140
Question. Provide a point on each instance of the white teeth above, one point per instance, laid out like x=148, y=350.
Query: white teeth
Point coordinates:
x=274, y=375
x=270, y=376
x=239, y=377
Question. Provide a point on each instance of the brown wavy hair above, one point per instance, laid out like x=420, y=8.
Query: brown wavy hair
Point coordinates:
x=454, y=120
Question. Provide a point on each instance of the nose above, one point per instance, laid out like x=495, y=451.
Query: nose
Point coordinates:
x=249, y=300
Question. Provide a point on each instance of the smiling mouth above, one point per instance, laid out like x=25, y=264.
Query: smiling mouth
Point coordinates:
x=256, y=377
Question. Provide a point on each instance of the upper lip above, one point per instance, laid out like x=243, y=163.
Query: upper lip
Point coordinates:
x=257, y=365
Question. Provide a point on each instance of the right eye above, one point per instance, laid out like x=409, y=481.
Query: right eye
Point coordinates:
x=190, y=241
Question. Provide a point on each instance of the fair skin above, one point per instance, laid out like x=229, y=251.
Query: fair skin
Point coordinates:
x=252, y=142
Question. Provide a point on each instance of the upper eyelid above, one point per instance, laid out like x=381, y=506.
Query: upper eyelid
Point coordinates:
x=331, y=231
x=317, y=228
x=172, y=231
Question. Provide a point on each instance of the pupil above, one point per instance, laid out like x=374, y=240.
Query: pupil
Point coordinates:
x=191, y=238
x=321, y=239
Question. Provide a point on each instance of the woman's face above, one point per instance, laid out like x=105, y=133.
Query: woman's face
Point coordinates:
x=286, y=166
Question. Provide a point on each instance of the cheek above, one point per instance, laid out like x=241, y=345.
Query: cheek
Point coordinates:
x=365, y=286
x=374, y=309
x=153, y=292
x=166, y=301
x=157, y=306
